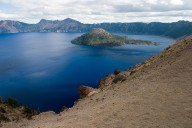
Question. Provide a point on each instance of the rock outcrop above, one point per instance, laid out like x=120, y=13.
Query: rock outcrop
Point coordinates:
x=85, y=91
x=117, y=77
x=106, y=81
x=116, y=72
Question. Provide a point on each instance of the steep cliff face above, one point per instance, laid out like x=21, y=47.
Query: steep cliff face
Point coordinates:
x=174, y=30
x=66, y=25
x=156, y=93
x=8, y=26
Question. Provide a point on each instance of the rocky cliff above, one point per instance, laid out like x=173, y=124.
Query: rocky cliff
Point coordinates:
x=173, y=30
x=11, y=110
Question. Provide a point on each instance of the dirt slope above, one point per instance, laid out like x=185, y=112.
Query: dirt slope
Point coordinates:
x=159, y=95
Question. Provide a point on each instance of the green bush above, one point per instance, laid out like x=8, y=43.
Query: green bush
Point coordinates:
x=2, y=110
x=3, y=118
x=162, y=55
x=12, y=102
x=1, y=100
x=63, y=108
x=29, y=112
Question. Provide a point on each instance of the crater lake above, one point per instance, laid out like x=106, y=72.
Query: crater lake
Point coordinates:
x=44, y=70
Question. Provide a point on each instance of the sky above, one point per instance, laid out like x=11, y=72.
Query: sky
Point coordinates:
x=97, y=11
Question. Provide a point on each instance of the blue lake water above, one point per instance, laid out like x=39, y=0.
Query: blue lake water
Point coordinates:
x=44, y=70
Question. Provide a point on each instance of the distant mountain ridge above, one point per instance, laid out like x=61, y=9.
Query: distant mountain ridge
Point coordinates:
x=173, y=30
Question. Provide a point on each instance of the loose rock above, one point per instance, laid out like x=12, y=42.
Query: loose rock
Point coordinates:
x=85, y=91
x=106, y=81
x=119, y=78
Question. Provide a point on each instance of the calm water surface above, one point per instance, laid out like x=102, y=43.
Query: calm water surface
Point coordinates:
x=44, y=70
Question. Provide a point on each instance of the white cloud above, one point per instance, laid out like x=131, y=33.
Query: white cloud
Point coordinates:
x=177, y=2
x=94, y=11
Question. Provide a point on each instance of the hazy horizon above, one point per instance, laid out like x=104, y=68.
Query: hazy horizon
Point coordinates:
x=97, y=11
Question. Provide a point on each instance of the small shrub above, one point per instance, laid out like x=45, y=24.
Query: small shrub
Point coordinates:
x=12, y=102
x=162, y=55
x=2, y=110
x=1, y=100
x=63, y=108
x=29, y=112
x=3, y=118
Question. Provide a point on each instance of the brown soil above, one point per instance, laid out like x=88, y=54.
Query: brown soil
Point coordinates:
x=158, y=94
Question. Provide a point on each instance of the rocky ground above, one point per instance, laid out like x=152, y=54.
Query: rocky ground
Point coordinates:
x=12, y=111
x=157, y=93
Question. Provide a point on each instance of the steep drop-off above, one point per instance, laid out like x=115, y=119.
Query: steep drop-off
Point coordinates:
x=156, y=93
